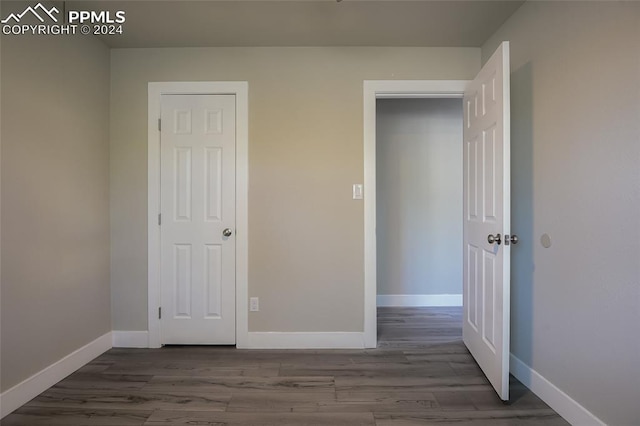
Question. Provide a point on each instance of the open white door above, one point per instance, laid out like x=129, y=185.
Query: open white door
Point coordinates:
x=487, y=201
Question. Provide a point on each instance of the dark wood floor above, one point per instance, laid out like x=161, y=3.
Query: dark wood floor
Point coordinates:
x=421, y=374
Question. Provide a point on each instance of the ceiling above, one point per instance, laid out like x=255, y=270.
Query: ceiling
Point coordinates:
x=185, y=23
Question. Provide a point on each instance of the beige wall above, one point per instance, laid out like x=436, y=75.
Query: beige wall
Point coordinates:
x=575, y=161
x=419, y=196
x=305, y=152
x=55, y=200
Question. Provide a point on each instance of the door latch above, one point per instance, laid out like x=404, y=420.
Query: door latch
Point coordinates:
x=510, y=239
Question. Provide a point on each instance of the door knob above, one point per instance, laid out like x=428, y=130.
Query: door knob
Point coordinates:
x=494, y=239
x=227, y=232
x=510, y=239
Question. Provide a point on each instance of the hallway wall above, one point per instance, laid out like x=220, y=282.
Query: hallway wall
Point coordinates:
x=419, y=196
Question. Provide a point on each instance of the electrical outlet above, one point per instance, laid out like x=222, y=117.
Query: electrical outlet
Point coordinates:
x=254, y=304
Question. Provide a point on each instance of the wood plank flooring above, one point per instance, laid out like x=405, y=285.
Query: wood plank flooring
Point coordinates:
x=420, y=374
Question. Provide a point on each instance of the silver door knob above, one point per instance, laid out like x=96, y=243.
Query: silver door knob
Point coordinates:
x=227, y=232
x=494, y=239
x=510, y=239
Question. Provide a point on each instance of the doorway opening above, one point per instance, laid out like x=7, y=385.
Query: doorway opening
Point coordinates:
x=373, y=91
x=419, y=219
x=486, y=208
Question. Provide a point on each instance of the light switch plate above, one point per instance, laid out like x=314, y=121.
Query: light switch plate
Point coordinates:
x=358, y=191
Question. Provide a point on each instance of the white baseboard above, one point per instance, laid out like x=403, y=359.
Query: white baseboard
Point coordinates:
x=293, y=340
x=418, y=300
x=28, y=389
x=562, y=403
x=130, y=339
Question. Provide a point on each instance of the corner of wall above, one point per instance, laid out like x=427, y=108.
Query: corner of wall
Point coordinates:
x=23, y=392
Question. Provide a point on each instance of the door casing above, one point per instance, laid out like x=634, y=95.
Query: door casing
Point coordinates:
x=241, y=91
x=372, y=90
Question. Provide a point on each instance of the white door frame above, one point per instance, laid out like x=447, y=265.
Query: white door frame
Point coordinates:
x=241, y=91
x=376, y=89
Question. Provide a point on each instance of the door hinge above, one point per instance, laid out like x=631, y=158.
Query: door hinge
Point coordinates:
x=159, y=219
x=159, y=124
x=159, y=312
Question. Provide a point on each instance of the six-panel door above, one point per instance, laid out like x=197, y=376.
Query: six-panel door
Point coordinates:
x=486, y=203
x=197, y=206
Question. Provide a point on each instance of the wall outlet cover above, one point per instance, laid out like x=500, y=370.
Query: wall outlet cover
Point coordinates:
x=254, y=304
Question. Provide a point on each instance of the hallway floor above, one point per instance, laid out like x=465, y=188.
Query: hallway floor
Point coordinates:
x=420, y=374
